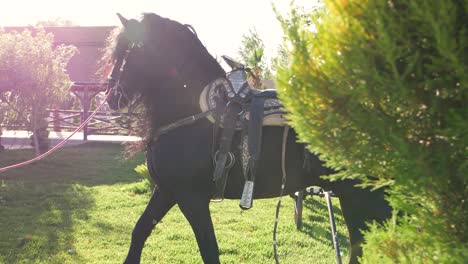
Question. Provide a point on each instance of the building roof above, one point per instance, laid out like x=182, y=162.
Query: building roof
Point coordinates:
x=89, y=41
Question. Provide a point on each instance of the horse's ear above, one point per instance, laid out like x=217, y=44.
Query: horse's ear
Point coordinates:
x=122, y=19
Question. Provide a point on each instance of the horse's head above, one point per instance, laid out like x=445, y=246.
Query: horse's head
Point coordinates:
x=157, y=57
x=160, y=66
x=129, y=71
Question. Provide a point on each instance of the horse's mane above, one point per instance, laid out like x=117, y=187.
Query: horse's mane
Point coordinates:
x=181, y=46
x=183, y=34
x=180, y=38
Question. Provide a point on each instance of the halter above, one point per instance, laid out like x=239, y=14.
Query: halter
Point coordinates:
x=114, y=84
x=117, y=87
x=114, y=77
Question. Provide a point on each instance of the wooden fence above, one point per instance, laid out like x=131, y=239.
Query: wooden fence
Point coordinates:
x=103, y=123
x=106, y=122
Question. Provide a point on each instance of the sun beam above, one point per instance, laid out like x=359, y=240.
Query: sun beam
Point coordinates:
x=220, y=24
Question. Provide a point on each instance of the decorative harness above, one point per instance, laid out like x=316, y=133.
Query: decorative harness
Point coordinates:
x=232, y=105
x=239, y=107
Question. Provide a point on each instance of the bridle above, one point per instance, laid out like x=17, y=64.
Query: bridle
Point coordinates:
x=114, y=84
x=114, y=77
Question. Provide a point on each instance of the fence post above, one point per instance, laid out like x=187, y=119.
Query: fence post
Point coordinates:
x=56, y=116
x=1, y=146
x=85, y=102
x=86, y=92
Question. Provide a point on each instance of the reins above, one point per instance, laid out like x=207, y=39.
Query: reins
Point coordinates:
x=60, y=144
x=283, y=185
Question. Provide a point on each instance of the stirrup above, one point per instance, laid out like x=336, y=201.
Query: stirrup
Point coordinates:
x=222, y=165
x=218, y=194
x=246, y=201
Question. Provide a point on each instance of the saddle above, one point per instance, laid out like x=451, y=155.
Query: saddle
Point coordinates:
x=239, y=107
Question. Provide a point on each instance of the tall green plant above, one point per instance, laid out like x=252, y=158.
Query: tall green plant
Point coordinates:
x=381, y=88
x=251, y=53
x=32, y=77
x=143, y=171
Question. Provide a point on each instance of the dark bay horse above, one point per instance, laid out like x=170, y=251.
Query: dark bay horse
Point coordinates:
x=161, y=65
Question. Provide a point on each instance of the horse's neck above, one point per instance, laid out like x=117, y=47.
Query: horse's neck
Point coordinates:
x=180, y=97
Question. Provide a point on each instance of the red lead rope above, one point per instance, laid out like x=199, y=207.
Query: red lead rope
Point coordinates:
x=50, y=151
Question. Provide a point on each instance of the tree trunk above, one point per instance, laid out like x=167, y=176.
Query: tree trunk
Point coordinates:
x=40, y=134
x=2, y=148
x=35, y=139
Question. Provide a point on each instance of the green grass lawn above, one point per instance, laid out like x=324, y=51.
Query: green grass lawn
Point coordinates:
x=80, y=205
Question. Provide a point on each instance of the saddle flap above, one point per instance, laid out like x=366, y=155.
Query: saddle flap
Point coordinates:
x=273, y=111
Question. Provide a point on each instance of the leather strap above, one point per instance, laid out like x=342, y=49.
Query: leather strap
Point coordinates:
x=183, y=122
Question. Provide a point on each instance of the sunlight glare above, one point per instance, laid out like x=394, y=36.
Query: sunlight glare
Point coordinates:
x=219, y=24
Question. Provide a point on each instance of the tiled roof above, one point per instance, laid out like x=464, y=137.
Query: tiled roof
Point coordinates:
x=89, y=41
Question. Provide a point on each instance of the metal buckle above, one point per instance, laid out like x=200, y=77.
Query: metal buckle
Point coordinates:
x=232, y=159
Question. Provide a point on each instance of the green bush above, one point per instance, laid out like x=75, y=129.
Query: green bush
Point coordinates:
x=33, y=77
x=148, y=183
x=380, y=88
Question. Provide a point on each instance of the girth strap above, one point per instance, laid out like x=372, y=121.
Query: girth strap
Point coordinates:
x=255, y=131
x=224, y=154
x=255, y=127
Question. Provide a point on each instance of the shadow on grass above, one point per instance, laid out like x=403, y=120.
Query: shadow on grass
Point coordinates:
x=36, y=223
x=41, y=203
x=319, y=214
x=89, y=164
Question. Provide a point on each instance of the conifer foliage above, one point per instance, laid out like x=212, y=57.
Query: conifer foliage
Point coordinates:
x=381, y=88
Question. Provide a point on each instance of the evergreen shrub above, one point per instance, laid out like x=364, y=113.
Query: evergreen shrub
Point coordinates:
x=380, y=88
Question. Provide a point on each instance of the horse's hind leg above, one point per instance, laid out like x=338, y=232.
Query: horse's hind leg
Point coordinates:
x=360, y=206
x=195, y=208
x=160, y=203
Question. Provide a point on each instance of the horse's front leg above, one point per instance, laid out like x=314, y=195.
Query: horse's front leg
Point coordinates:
x=195, y=207
x=160, y=203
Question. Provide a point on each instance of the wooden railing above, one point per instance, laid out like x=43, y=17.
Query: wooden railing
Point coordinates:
x=106, y=122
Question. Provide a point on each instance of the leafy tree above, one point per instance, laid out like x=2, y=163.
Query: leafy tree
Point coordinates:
x=381, y=88
x=281, y=59
x=251, y=53
x=303, y=17
x=32, y=77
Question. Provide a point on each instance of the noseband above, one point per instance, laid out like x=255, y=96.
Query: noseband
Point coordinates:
x=114, y=77
x=114, y=84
